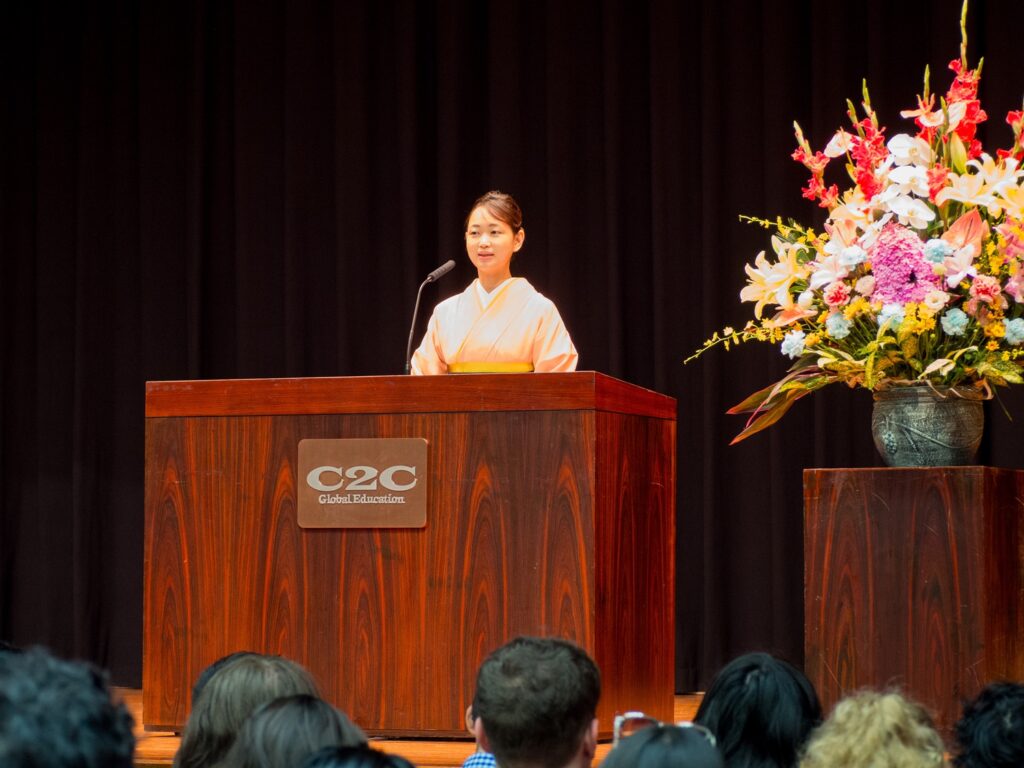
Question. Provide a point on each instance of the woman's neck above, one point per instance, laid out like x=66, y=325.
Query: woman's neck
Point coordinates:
x=490, y=282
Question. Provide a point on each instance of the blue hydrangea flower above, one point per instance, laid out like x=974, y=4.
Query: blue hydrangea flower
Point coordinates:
x=936, y=250
x=954, y=322
x=793, y=344
x=852, y=255
x=837, y=325
x=893, y=312
x=1015, y=331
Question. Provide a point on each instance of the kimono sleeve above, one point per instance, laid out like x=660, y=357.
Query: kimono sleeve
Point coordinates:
x=426, y=360
x=553, y=350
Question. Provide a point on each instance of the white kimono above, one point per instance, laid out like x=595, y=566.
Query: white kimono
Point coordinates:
x=519, y=330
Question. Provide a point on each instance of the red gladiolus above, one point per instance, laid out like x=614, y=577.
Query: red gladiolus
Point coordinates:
x=937, y=176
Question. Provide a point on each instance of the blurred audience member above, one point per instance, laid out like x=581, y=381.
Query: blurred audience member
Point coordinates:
x=991, y=731
x=284, y=732
x=229, y=696
x=206, y=674
x=354, y=757
x=667, y=746
x=60, y=714
x=535, y=703
x=875, y=730
x=761, y=710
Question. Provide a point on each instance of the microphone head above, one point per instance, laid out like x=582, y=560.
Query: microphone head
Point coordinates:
x=441, y=271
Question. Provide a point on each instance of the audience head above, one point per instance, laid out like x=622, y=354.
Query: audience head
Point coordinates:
x=991, y=731
x=875, y=730
x=206, y=674
x=230, y=695
x=354, y=757
x=535, y=703
x=60, y=714
x=666, y=746
x=284, y=732
x=761, y=710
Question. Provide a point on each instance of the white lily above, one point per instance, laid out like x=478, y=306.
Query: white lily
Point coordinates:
x=960, y=265
x=839, y=144
x=770, y=282
x=956, y=111
x=1013, y=201
x=999, y=177
x=827, y=270
x=872, y=230
x=968, y=188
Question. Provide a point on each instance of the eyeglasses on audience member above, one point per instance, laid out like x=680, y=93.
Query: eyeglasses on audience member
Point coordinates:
x=628, y=723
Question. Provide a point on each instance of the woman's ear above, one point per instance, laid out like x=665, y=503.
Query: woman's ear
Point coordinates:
x=520, y=236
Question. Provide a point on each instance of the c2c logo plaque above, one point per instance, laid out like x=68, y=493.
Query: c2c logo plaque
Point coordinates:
x=362, y=483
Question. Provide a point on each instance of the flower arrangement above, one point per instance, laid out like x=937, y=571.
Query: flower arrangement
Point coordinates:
x=918, y=276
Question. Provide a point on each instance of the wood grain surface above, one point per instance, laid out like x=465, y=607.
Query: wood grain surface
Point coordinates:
x=586, y=390
x=541, y=522
x=913, y=579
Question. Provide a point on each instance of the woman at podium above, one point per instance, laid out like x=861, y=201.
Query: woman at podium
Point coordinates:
x=500, y=323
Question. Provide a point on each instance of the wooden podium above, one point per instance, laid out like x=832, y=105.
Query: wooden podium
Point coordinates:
x=551, y=511
x=914, y=578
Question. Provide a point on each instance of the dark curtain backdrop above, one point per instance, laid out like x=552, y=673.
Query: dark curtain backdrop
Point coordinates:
x=254, y=189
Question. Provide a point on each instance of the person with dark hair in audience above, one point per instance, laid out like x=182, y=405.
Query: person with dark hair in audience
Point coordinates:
x=761, y=710
x=60, y=714
x=686, y=745
x=991, y=731
x=354, y=757
x=481, y=758
x=230, y=695
x=284, y=732
x=535, y=703
x=875, y=730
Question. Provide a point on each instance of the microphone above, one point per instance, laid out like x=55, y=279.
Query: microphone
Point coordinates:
x=440, y=272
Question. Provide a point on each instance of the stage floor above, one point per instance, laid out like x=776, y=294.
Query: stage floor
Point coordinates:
x=159, y=748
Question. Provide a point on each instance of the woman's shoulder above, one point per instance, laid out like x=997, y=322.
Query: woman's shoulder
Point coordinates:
x=535, y=297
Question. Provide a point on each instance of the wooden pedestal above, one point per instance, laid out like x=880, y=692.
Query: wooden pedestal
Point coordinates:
x=913, y=578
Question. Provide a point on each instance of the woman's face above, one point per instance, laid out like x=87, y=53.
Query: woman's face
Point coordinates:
x=490, y=244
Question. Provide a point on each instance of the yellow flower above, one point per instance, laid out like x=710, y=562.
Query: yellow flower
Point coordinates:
x=856, y=307
x=992, y=346
x=995, y=330
x=811, y=340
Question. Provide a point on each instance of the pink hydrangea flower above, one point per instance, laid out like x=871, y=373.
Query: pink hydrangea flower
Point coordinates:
x=836, y=294
x=902, y=273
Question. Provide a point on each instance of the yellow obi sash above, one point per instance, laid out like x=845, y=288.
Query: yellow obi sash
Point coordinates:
x=495, y=367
